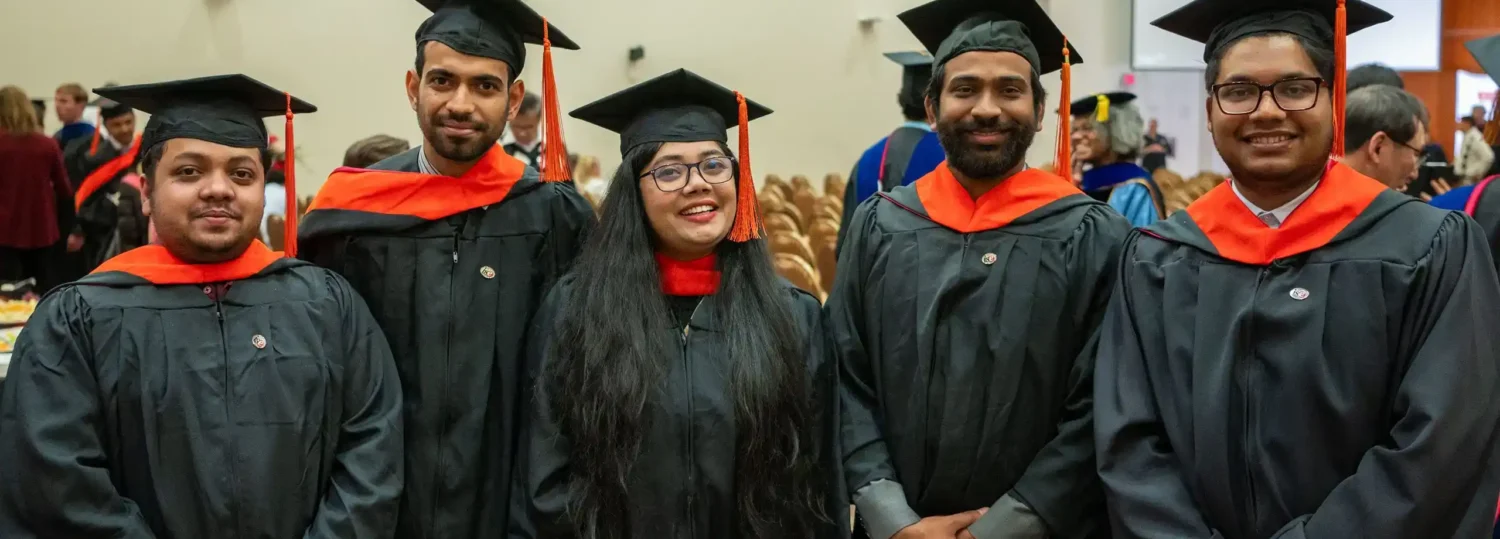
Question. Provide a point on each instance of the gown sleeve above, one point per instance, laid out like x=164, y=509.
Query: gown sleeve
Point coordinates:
x=1434, y=465
x=1059, y=493
x=870, y=477
x=546, y=460
x=55, y=480
x=1141, y=475
x=364, y=493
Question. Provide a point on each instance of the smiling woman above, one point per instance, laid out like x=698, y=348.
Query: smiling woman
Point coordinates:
x=673, y=334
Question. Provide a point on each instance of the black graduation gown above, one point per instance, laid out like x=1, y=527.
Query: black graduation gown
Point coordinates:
x=133, y=410
x=1487, y=213
x=457, y=335
x=966, y=358
x=682, y=484
x=109, y=214
x=1345, y=390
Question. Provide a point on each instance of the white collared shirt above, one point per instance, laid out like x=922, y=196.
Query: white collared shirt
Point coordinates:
x=1274, y=218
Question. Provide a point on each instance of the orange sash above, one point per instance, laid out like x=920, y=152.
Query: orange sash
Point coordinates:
x=949, y=204
x=426, y=196
x=153, y=263
x=105, y=173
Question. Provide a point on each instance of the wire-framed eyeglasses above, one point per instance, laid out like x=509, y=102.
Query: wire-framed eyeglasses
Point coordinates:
x=674, y=177
x=1291, y=95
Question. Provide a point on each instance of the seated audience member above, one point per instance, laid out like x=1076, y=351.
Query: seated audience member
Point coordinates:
x=1384, y=133
x=374, y=149
x=1371, y=75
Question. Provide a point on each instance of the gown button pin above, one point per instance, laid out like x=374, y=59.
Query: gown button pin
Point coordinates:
x=988, y=259
x=1300, y=294
x=487, y=272
x=258, y=341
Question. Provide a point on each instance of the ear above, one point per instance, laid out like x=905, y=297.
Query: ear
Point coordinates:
x=1041, y=114
x=1208, y=113
x=932, y=113
x=413, y=87
x=145, y=197
x=517, y=94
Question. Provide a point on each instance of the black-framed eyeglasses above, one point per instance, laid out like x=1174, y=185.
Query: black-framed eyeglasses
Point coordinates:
x=674, y=177
x=1420, y=152
x=1291, y=95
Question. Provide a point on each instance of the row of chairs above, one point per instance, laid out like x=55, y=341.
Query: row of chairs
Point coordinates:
x=803, y=228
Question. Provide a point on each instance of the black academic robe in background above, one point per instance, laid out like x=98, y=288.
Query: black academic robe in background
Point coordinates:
x=455, y=297
x=967, y=358
x=1338, y=381
x=110, y=218
x=682, y=483
x=134, y=410
x=1487, y=214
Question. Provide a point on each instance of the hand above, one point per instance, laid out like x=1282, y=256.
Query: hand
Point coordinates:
x=1439, y=186
x=75, y=242
x=942, y=527
x=1156, y=148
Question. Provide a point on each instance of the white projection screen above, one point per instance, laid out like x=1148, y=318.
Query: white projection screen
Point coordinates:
x=1410, y=42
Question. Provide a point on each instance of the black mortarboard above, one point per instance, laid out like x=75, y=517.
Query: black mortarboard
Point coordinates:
x=1487, y=52
x=1218, y=23
x=948, y=28
x=916, y=71
x=497, y=29
x=1090, y=104
x=679, y=106
x=224, y=109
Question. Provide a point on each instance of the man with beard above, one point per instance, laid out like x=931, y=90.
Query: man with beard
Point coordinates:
x=454, y=243
x=110, y=219
x=967, y=390
x=205, y=386
x=1323, y=368
x=1108, y=132
x=908, y=153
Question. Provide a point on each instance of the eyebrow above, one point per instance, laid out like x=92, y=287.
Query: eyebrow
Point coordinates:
x=492, y=79
x=438, y=71
x=241, y=159
x=1241, y=77
x=1007, y=79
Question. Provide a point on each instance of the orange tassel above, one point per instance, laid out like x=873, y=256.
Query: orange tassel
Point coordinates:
x=1340, y=85
x=1065, y=119
x=289, y=238
x=555, y=154
x=747, y=213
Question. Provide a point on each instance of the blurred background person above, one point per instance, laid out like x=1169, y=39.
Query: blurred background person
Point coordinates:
x=1107, y=135
x=1475, y=156
x=373, y=149
x=525, y=132
x=1371, y=75
x=35, y=197
x=69, y=101
x=1384, y=132
x=1158, y=149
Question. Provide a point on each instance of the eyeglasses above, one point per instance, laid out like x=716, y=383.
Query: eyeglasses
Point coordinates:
x=1291, y=95
x=674, y=177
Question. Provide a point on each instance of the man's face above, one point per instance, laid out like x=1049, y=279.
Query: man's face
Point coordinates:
x=1153, y=126
x=524, y=127
x=986, y=117
x=1270, y=145
x=1399, y=161
x=1478, y=113
x=68, y=109
x=121, y=128
x=206, y=199
x=1464, y=126
x=461, y=101
x=1090, y=140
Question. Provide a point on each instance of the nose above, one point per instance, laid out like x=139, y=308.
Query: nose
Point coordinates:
x=986, y=107
x=696, y=183
x=217, y=187
x=1267, y=109
x=461, y=102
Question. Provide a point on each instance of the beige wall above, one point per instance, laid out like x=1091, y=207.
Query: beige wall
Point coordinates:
x=810, y=60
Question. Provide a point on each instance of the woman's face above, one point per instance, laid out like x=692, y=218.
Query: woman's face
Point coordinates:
x=688, y=190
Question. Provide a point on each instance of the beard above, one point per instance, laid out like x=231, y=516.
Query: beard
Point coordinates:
x=982, y=161
x=460, y=149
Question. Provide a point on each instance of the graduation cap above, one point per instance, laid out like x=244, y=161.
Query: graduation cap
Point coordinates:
x=499, y=29
x=223, y=109
x=1099, y=104
x=916, y=71
x=681, y=106
x=1486, y=51
x=1220, y=23
x=948, y=28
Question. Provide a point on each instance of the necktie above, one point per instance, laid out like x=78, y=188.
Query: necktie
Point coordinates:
x=1269, y=219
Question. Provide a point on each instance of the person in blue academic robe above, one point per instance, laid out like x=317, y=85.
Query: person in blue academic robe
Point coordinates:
x=908, y=153
x=1107, y=135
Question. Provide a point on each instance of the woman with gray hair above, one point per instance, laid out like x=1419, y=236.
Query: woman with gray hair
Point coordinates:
x=1107, y=135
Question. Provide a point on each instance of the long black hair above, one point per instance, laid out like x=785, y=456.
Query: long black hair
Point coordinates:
x=612, y=352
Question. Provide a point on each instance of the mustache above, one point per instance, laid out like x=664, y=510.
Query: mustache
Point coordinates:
x=216, y=210
x=464, y=121
x=997, y=124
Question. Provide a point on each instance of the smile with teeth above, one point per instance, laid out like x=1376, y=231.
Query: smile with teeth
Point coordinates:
x=701, y=208
x=1270, y=139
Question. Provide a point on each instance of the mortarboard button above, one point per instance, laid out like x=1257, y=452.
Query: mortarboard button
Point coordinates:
x=487, y=272
x=1300, y=294
x=988, y=259
x=258, y=341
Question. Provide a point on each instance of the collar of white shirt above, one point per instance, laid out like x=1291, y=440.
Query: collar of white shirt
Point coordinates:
x=1274, y=218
